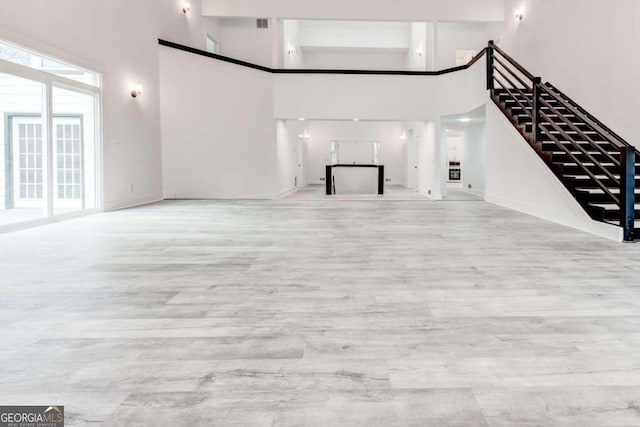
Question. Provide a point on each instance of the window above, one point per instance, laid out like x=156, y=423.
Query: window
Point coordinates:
x=50, y=136
x=28, y=154
x=68, y=153
x=212, y=44
x=19, y=55
x=28, y=170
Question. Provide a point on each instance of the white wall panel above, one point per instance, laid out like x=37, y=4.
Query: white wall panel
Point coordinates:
x=324, y=96
x=518, y=179
x=218, y=131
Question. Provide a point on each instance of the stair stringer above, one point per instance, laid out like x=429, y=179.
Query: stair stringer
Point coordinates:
x=517, y=178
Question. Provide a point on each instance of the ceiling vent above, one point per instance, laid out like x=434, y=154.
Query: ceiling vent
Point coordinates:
x=262, y=23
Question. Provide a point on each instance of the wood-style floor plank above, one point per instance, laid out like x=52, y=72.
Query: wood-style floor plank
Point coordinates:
x=339, y=313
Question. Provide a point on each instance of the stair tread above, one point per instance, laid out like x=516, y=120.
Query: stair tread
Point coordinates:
x=584, y=163
x=613, y=190
x=580, y=142
x=582, y=176
x=588, y=152
x=611, y=206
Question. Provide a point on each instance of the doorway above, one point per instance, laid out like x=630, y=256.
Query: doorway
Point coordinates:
x=463, y=163
x=412, y=160
x=301, y=177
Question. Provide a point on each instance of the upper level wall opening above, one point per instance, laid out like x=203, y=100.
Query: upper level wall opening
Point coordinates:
x=350, y=44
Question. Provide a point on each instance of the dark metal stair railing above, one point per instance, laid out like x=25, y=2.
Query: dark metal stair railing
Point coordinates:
x=527, y=92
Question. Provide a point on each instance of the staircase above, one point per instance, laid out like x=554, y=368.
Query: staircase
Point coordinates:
x=597, y=166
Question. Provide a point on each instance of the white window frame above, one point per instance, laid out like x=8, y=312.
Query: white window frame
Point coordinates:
x=214, y=43
x=50, y=81
x=18, y=200
x=64, y=202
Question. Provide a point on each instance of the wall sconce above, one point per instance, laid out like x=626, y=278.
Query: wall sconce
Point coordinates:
x=291, y=50
x=304, y=135
x=519, y=14
x=136, y=91
x=403, y=137
x=419, y=52
x=186, y=7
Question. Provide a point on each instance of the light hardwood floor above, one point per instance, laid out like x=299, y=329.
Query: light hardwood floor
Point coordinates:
x=286, y=313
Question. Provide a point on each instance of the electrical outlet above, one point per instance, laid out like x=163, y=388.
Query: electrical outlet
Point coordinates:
x=469, y=185
x=429, y=192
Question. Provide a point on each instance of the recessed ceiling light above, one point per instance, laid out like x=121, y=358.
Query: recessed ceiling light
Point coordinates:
x=464, y=119
x=301, y=119
x=356, y=120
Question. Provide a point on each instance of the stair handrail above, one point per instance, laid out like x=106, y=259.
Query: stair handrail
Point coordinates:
x=604, y=129
x=574, y=127
x=494, y=53
x=270, y=70
x=513, y=62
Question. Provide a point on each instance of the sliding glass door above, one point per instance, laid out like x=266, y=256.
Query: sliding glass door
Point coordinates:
x=49, y=137
x=23, y=153
x=74, y=142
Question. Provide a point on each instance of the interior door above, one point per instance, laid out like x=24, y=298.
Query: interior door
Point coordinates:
x=412, y=161
x=301, y=177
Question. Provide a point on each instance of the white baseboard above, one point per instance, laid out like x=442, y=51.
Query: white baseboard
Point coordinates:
x=131, y=203
x=425, y=194
x=285, y=193
x=475, y=193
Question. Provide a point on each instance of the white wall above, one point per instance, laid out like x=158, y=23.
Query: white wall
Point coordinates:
x=241, y=39
x=370, y=97
x=354, y=34
x=119, y=39
x=355, y=59
x=518, y=179
x=212, y=28
x=321, y=133
x=464, y=36
x=588, y=49
x=218, y=134
x=473, y=159
x=420, y=51
x=372, y=10
x=293, y=57
x=454, y=146
x=326, y=44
